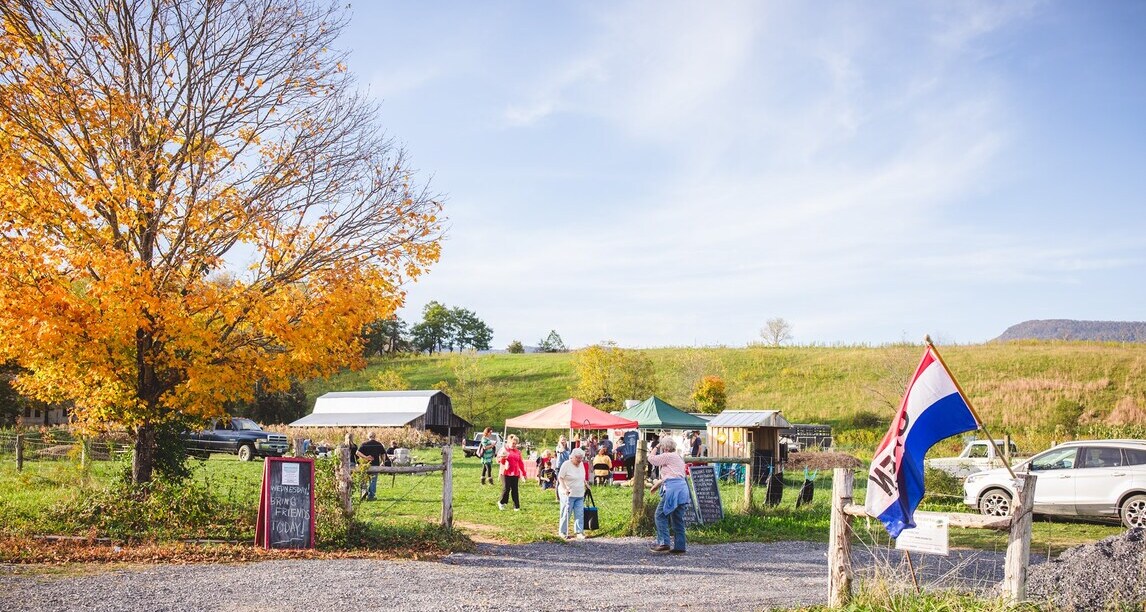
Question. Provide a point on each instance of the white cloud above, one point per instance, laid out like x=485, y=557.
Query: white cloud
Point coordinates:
x=833, y=177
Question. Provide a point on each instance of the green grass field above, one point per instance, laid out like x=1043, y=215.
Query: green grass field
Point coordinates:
x=1015, y=387
x=55, y=497
x=1012, y=385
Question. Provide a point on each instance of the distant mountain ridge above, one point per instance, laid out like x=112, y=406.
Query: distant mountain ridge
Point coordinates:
x=1068, y=329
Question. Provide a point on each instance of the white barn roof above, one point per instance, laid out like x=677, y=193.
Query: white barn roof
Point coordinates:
x=367, y=409
x=749, y=418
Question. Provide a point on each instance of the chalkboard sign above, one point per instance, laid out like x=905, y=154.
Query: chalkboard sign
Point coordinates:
x=705, y=494
x=286, y=506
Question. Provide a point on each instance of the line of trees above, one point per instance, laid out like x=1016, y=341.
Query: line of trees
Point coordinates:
x=442, y=329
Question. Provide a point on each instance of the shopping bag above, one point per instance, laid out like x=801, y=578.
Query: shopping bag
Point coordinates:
x=592, y=521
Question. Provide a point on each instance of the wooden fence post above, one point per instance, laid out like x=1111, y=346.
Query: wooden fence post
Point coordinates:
x=448, y=487
x=19, y=452
x=839, y=539
x=749, y=476
x=1019, y=542
x=640, y=465
x=83, y=452
x=346, y=477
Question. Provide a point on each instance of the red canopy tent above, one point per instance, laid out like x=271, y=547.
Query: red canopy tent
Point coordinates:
x=570, y=414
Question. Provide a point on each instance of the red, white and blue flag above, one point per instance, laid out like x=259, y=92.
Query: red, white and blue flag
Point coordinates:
x=932, y=409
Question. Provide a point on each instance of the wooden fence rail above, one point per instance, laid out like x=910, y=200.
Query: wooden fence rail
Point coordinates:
x=1018, y=525
x=345, y=476
x=641, y=465
x=748, y=476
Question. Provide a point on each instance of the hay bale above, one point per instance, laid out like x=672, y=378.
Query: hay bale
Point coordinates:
x=821, y=460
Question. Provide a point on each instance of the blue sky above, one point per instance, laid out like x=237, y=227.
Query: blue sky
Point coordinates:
x=677, y=173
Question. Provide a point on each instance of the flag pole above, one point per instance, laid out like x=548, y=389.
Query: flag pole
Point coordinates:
x=967, y=400
x=911, y=566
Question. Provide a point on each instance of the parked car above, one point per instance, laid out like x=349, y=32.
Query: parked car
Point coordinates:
x=472, y=447
x=977, y=455
x=1086, y=478
x=239, y=436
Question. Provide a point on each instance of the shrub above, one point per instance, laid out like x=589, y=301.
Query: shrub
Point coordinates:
x=942, y=485
x=332, y=527
x=1064, y=416
x=155, y=511
x=389, y=380
x=865, y=419
x=710, y=395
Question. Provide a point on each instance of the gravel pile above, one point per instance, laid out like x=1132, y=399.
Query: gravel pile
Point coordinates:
x=1108, y=574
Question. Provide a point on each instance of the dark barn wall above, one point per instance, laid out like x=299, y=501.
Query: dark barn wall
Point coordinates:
x=440, y=418
x=439, y=410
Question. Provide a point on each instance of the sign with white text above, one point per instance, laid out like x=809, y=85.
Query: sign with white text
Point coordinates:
x=929, y=536
x=286, y=505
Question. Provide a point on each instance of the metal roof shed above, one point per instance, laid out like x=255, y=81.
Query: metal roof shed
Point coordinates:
x=429, y=410
x=731, y=432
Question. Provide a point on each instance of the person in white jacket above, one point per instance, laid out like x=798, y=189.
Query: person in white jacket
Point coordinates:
x=571, y=487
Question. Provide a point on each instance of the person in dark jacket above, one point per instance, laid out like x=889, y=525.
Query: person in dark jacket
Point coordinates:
x=373, y=451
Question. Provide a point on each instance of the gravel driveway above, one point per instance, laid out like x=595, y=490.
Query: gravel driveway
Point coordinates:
x=595, y=574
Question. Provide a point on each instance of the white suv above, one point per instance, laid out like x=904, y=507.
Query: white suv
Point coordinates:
x=1086, y=478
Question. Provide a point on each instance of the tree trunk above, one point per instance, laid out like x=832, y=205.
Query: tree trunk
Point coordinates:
x=143, y=459
x=146, y=389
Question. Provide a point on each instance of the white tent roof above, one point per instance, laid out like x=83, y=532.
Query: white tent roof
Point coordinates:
x=367, y=409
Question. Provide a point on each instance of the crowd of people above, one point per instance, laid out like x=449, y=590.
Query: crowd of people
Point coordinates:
x=569, y=469
x=574, y=465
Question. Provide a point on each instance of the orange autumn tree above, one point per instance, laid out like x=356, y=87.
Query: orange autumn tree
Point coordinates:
x=193, y=198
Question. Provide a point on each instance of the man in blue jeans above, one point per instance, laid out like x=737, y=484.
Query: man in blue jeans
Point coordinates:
x=675, y=498
x=373, y=450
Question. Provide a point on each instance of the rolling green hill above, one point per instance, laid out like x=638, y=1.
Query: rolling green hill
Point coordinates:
x=1018, y=387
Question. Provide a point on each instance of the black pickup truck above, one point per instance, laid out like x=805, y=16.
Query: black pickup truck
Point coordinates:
x=239, y=436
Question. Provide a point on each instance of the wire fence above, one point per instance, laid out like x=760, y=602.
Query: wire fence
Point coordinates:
x=39, y=447
x=880, y=567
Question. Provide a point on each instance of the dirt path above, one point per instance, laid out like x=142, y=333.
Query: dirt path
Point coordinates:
x=610, y=574
x=482, y=534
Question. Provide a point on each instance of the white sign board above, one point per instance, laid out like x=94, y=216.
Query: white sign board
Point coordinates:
x=290, y=474
x=929, y=536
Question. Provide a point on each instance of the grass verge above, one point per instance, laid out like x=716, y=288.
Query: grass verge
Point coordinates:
x=220, y=501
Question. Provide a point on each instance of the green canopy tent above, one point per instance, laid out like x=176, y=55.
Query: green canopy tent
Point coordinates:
x=655, y=413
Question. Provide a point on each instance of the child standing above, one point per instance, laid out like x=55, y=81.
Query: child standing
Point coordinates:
x=488, y=446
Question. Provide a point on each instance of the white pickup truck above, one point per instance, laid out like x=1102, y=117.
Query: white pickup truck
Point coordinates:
x=977, y=456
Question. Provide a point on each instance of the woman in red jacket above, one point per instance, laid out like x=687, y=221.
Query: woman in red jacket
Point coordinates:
x=512, y=471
